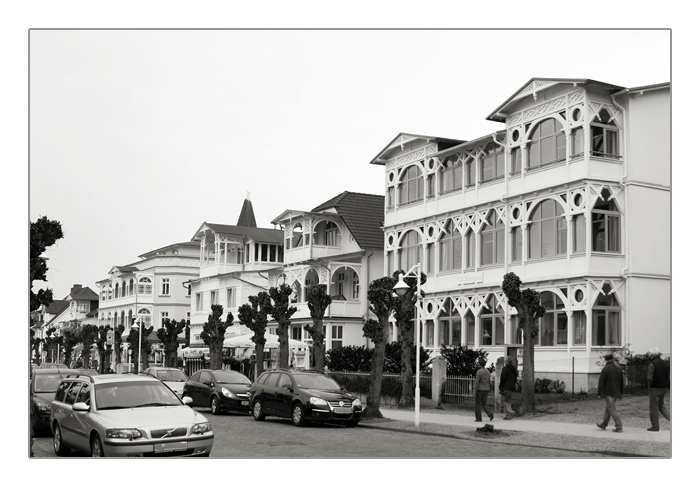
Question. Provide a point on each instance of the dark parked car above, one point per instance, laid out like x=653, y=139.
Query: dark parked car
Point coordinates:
x=221, y=390
x=303, y=396
x=42, y=389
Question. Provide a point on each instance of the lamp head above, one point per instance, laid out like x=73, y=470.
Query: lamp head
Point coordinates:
x=401, y=287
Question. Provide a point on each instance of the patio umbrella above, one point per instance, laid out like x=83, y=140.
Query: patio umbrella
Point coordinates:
x=271, y=341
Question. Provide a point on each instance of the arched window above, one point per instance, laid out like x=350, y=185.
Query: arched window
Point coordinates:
x=604, y=136
x=451, y=248
x=145, y=317
x=145, y=285
x=607, y=328
x=411, y=186
x=605, y=224
x=492, y=240
x=450, y=326
x=554, y=323
x=410, y=252
x=547, y=232
x=109, y=292
x=451, y=174
x=492, y=165
x=547, y=144
x=492, y=323
x=131, y=287
x=310, y=280
x=327, y=233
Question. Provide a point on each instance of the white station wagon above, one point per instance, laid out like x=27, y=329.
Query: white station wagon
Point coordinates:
x=124, y=415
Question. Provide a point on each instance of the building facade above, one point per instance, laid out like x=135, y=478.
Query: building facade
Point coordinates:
x=338, y=244
x=571, y=193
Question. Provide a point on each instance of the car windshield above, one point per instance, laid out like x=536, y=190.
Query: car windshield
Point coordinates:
x=171, y=375
x=310, y=381
x=230, y=377
x=47, y=382
x=132, y=394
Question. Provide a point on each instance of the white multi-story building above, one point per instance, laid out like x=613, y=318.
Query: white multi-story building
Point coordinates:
x=339, y=244
x=151, y=288
x=233, y=261
x=571, y=193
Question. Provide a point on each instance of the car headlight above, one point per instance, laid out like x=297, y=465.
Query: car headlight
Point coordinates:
x=42, y=407
x=317, y=401
x=357, y=403
x=126, y=433
x=200, y=428
x=226, y=392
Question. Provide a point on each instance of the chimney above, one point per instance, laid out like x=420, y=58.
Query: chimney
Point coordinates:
x=75, y=289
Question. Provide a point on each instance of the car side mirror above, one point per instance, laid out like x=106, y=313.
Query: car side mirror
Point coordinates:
x=187, y=400
x=288, y=387
x=81, y=407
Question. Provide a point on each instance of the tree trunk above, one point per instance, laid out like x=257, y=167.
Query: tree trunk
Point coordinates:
x=259, y=359
x=101, y=360
x=375, y=381
x=407, y=391
x=527, y=398
x=144, y=359
x=283, y=333
x=215, y=354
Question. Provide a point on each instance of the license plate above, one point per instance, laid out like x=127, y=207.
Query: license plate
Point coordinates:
x=168, y=447
x=245, y=403
x=342, y=410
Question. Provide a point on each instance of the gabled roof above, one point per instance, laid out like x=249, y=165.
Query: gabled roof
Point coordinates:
x=56, y=306
x=167, y=247
x=256, y=234
x=403, y=139
x=535, y=85
x=362, y=213
x=85, y=293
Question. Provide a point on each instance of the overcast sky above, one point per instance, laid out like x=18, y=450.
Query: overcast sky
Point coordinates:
x=137, y=137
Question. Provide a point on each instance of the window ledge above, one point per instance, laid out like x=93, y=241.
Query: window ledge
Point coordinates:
x=606, y=254
x=545, y=259
x=491, y=182
x=544, y=167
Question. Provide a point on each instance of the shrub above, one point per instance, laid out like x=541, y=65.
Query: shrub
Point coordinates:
x=359, y=384
x=359, y=359
x=548, y=386
x=463, y=360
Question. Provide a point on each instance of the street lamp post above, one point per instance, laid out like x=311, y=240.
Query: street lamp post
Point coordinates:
x=136, y=324
x=400, y=288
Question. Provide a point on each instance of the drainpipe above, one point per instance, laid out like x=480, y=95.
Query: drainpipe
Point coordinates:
x=625, y=162
x=506, y=237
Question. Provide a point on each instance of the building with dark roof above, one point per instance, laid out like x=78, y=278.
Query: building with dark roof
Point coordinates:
x=340, y=244
x=563, y=193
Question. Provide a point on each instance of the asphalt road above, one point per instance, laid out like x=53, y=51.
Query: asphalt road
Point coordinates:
x=239, y=436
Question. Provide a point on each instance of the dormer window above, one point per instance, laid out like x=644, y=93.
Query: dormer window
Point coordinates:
x=547, y=144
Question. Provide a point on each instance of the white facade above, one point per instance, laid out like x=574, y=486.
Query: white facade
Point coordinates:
x=572, y=194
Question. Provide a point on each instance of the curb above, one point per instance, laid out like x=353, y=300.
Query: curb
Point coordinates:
x=484, y=440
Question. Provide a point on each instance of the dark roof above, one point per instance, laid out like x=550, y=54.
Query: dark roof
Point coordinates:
x=247, y=216
x=257, y=234
x=85, y=293
x=56, y=306
x=152, y=252
x=126, y=268
x=363, y=214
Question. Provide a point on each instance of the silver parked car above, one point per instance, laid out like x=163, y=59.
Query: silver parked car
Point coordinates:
x=124, y=415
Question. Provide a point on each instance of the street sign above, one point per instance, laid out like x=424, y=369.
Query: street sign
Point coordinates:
x=110, y=337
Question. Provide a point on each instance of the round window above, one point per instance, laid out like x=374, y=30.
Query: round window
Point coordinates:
x=391, y=240
x=515, y=135
x=516, y=213
x=578, y=296
x=391, y=177
x=578, y=199
x=576, y=114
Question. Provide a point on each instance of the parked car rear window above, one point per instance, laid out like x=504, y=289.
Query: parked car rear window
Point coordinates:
x=84, y=394
x=73, y=392
x=272, y=381
x=47, y=382
x=263, y=379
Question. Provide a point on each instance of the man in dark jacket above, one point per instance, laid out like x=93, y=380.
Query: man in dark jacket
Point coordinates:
x=610, y=389
x=507, y=386
x=482, y=386
x=658, y=383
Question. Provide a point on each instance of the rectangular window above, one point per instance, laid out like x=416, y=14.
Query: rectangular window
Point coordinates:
x=456, y=337
x=296, y=333
x=547, y=330
x=165, y=286
x=444, y=332
x=577, y=142
x=487, y=330
x=214, y=297
x=390, y=197
x=198, y=302
x=355, y=286
x=516, y=160
x=606, y=327
x=336, y=336
x=487, y=248
x=516, y=239
x=257, y=253
x=471, y=173
x=579, y=319
x=263, y=253
x=471, y=329
x=579, y=229
x=163, y=317
x=429, y=333
x=516, y=333
x=470, y=242
x=431, y=185
x=562, y=329
x=231, y=297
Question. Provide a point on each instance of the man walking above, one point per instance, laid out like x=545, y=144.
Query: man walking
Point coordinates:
x=658, y=383
x=507, y=386
x=482, y=386
x=610, y=388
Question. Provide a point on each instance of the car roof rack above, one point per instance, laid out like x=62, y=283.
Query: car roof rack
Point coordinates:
x=74, y=376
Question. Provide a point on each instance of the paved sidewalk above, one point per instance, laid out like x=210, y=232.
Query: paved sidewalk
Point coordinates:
x=515, y=424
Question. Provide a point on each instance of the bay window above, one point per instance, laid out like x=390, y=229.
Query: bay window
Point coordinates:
x=492, y=241
x=451, y=174
x=547, y=233
x=492, y=323
x=547, y=144
x=605, y=225
x=451, y=248
x=411, y=186
x=606, y=320
x=604, y=136
x=492, y=163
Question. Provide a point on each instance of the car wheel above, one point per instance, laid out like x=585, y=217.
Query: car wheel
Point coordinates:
x=96, y=447
x=58, y=445
x=298, y=416
x=215, y=405
x=351, y=424
x=258, y=415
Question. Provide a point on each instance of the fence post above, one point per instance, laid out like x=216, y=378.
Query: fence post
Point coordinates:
x=438, y=378
x=573, y=368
